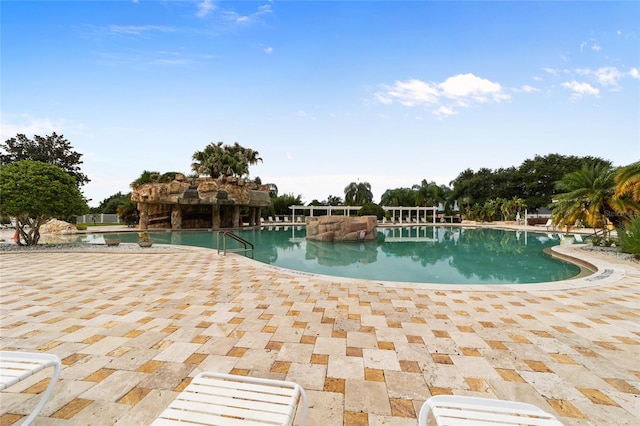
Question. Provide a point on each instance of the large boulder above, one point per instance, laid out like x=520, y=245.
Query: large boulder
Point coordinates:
x=55, y=226
x=342, y=228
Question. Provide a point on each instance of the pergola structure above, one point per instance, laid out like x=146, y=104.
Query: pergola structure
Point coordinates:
x=404, y=214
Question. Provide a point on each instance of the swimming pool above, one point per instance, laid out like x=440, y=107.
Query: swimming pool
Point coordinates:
x=426, y=254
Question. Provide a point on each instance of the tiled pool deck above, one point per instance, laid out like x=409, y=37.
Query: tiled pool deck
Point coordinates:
x=132, y=328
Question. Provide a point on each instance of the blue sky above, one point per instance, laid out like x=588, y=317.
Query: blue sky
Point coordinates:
x=328, y=92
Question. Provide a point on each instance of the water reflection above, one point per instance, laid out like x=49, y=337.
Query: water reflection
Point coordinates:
x=342, y=254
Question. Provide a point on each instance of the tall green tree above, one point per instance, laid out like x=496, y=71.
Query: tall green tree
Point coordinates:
x=538, y=176
x=428, y=194
x=34, y=192
x=110, y=204
x=52, y=149
x=398, y=197
x=358, y=193
x=281, y=203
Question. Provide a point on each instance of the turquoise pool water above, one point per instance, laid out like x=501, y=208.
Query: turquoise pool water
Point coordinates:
x=447, y=255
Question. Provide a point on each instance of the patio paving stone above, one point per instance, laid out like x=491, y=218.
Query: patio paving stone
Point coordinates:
x=133, y=328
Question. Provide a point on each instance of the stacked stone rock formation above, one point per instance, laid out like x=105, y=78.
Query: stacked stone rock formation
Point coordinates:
x=199, y=203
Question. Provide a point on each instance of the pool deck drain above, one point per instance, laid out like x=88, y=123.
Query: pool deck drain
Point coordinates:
x=132, y=328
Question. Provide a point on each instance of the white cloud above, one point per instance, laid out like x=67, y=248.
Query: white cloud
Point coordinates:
x=468, y=86
x=205, y=7
x=550, y=70
x=596, y=47
x=410, y=93
x=464, y=90
x=634, y=73
x=268, y=50
x=580, y=89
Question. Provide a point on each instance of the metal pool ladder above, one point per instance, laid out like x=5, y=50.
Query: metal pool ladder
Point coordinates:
x=247, y=246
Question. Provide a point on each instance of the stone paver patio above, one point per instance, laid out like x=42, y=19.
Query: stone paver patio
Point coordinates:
x=132, y=328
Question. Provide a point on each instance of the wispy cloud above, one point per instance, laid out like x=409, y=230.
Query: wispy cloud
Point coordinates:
x=138, y=30
x=140, y=59
x=205, y=7
x=443, y=112
x=268, y=50
x=458, y=91
x=233, y=16
x=304, y=114
x=12, y=124
x=528, y=89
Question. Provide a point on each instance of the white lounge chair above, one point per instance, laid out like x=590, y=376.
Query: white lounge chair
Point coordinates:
x=467, y=410
x=226, y=400
x=17, y=366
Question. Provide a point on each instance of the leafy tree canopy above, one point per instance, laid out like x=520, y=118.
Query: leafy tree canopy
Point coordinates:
x=34, y=192
x=51, y=149
x=110, y=204
x=281, y=203
x=534, y=180
x=371, y=209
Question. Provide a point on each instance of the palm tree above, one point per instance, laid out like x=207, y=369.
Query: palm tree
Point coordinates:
x=397, y=197
x=217, y=159
x=428, y=194
x=358, y=193
x=628, y=182
x=586, y=195
x=209, y=160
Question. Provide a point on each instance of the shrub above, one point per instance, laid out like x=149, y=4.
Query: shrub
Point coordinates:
x=371, y=209
x=629, y=237
x=81, y=226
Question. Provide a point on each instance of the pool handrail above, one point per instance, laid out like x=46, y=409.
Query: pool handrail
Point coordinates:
x=236, y=237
